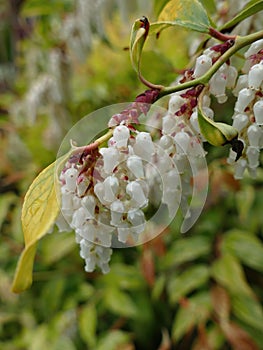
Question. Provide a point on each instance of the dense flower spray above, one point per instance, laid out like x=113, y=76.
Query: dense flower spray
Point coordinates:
x=107, y=190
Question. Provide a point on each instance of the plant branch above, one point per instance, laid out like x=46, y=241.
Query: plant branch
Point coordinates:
x=240, y=42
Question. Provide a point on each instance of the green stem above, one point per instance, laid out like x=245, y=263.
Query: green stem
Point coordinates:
x=240, y=42
x=94, y=145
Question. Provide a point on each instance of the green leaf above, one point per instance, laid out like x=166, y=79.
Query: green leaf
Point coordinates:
x=186, y=282
x=250, y=9
x=245, y=246
x=184, y=250
x=217, y=134
x=113, y=339
x=88, y=324
x=228, y=272
x=248, y=310
x=189, y=14
x=120, y=303
x=123, y=277
x=139, y=34
x=195, y=311
x=40, y=209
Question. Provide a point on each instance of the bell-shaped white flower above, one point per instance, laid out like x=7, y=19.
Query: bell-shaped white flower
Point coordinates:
x=121, y=135
x=258, y=112
x=254, y=134
x=89, y=203
x=117, y=211
x=232, y=74
x=202, y=65
x=255, y=76
x=254, y=48
x=66, y=200
x=135, y=191
x=175, y=103
x=79, y=218
x=253, y=156
x=70, y=177
x=182, y=140
x=110, y=159
x=111, y=186
x=240, y=121
x=135, y=165
x=136, y=217
x=169, y=124
x=245, y=96
x=144, y=147
x=87, y=232
x=99, y=191
x=124, y=231
x=242, y=82
x=218, y=86
x=166, y=142
x=240, y=167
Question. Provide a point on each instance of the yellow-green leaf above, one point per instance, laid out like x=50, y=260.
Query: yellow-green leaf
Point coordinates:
x=217, y=134
x=189, y=14
x=40, y=209
x=139, y=34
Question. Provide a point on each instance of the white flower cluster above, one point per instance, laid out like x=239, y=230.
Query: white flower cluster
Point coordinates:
x=108, y=193
x=182, y=141
x=104, y=203
x=248, y=111
x=223, y=79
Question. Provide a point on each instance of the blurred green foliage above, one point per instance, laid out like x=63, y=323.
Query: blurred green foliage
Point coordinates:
x=203, y=290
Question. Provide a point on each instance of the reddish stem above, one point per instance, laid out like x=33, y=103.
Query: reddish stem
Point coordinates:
x=220, y=36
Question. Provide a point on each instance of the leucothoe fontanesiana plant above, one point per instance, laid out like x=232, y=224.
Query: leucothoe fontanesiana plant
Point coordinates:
x=148, y=160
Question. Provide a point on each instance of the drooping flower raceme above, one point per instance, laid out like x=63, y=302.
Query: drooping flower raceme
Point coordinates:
x=108, y=193
x=248, y=111
x=105, y=193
